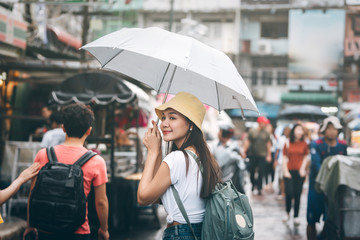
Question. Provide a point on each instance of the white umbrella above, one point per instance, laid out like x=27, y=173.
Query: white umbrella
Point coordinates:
x=170, y=63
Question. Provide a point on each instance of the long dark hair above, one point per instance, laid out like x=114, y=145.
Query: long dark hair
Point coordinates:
x=292, y=133
x=211, y=170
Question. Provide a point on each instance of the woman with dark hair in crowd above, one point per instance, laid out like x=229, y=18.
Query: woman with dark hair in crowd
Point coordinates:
x=295, y=160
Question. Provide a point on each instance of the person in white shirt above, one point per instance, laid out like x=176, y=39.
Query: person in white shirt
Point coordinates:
x=56, y=135
x=181, y=120
x=227, y=153
x=282, y=140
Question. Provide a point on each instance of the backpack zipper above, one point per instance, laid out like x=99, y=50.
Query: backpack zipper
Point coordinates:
x=227, y=217
x=71, y=172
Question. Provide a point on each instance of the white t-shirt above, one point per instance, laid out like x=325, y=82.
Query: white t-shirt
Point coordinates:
x=280, y=146
x=188, y=186
x=53, y=137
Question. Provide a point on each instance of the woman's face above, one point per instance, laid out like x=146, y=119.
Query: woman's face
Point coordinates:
x=174, y=126
x=298, y=132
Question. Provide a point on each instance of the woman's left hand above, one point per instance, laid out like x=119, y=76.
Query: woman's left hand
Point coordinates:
x=152, y=139
x=29, y=172
x=302, y=172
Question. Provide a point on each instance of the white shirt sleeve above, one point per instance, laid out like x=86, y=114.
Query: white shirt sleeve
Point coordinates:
x=177, y=165
x=45, y=142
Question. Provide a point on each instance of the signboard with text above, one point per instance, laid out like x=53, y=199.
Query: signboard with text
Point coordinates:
x=352, y=36
x=12, y=30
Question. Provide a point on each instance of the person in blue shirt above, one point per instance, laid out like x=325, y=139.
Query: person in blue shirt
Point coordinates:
x=328, y=145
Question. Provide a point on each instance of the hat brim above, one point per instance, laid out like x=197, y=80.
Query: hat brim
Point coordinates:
x=336, y=125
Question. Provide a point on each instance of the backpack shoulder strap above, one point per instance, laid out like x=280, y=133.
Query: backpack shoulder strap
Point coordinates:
x=50, y=152
x=193, y=155
x=84, y=158
x=182, y=209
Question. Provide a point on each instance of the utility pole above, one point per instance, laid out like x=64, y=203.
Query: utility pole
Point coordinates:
x=85, y=28
x=171, y=18
x=237, y=35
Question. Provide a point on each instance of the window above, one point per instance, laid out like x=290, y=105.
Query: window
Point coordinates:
x=254, y=77
x=214, y=28
x=266, y=77
x=274, y=30
x=281, y=78
x=270, y=61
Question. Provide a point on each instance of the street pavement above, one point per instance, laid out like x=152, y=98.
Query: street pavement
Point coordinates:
x=268, y=212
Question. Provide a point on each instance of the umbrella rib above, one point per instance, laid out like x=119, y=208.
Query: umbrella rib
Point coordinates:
x=242, y=110
x=112, y=58
x=217, y=94
x=162, y=80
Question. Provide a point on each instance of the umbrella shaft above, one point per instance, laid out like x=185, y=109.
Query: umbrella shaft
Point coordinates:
x=168, y=88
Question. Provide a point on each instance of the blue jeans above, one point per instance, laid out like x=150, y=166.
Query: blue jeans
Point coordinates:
x=182, y=231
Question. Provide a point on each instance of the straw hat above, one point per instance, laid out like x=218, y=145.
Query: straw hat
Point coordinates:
x=186, y=104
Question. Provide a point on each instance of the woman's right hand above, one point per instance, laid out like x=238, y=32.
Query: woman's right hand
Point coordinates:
x=152, y=139
x=28, y=231
x=103, y=235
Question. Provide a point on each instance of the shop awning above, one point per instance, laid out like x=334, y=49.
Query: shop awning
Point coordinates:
x=309, y=98
x=101, y=88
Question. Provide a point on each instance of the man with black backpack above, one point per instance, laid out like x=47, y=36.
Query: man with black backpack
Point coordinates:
x=57, y=205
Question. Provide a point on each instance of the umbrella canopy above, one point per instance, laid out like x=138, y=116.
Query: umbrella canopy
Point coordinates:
x=303, y=111
x=93, y=87
x=170, y=63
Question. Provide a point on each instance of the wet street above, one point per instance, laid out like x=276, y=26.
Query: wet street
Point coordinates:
x=268, y=213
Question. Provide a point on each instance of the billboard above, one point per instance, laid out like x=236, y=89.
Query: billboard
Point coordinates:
x=352, y=36
x=316, y=43
x=352, y=2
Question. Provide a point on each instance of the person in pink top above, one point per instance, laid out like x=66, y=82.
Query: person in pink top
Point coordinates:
x=77, y=120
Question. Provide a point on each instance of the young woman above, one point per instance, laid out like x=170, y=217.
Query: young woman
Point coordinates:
x=295, y=160
x=181, y=123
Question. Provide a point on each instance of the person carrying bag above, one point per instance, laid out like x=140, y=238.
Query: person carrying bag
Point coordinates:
x=181, y=120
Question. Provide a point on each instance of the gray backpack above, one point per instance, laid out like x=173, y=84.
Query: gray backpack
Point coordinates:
x=228, y=214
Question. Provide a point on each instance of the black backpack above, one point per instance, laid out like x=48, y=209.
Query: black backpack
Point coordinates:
x=58, y=202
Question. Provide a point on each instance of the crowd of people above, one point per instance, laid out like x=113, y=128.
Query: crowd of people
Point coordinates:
x=282, y=163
